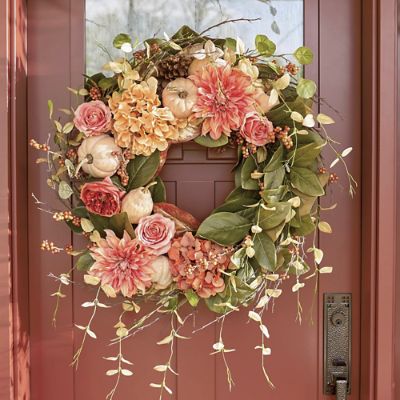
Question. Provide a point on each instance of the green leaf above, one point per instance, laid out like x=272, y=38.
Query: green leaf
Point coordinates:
x=185, y=32
x=118, y=223
x=275, y=28
x=80, y=212
x=306, y=88
x=306, y=181
x=274, y=215
x=142, y=169
x=85, y=261
x=235, y=297
x=274, y=179
x=230, y=43
x=274, y=195
x=265, y=251
x=107, y=83
x=224, y=228
x=248, y=182
x=304, y=55
x=304, y=156
x=276, y=160
x=192, y=297
x=158, y=192
x=120, y=39
x=265, y=46
x=208, y=141
x=64, y=190
x=305, y=225
x=50, y=106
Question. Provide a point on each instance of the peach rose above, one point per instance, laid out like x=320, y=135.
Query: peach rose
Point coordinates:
x=102, y=198
x=156, y=232
x=257, y=130
x=93, y=118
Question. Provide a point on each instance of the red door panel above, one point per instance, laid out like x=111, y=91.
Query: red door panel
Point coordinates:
x=197, y=180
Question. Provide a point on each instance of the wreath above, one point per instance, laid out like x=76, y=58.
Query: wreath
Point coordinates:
x=105, y=167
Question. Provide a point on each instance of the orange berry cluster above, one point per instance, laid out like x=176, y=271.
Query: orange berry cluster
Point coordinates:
x=283, y=135
x=63, y=216
x=333, y=178
x=95, y=93
x=49, y=246
x=39, y=146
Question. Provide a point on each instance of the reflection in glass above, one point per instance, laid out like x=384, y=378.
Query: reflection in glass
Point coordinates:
x=281, y=21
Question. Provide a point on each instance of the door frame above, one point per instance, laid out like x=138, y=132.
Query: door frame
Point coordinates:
x=380, y=191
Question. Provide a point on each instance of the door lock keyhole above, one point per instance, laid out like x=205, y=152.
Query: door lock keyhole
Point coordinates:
x=338, y=318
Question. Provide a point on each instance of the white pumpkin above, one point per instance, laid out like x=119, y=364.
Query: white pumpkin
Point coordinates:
x=161, y=273
x=99, y=156
x=180, y=96
x=137, y=204
x=187, y=134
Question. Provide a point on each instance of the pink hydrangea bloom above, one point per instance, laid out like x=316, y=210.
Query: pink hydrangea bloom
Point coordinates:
x=93, y=118
x=197, y=264
x=122, y=263
x=223, y=100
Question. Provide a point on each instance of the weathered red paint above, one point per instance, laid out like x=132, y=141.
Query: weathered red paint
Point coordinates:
x=55, y=31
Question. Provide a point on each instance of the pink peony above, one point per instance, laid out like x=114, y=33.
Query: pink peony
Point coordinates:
x=197, y=264
x=122, y=263
x=93, y=118
x=156, y=232
x=102, y=197
x=257, y=130
x=223, y=100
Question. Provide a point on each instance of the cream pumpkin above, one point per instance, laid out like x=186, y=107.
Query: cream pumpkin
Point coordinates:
x=180, y=96
x=137, y=204
x=161, y=273
x=99, y=156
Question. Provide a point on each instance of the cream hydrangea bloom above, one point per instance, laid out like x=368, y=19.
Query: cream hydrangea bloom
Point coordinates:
x=139, y=123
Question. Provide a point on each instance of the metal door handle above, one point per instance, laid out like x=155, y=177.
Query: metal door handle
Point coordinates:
x=341, y=389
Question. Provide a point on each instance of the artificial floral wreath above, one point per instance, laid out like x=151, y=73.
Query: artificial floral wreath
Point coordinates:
x=110, y=152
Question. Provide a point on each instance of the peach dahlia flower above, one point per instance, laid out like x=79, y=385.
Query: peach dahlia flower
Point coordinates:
x=122, y=263
x=224, y=98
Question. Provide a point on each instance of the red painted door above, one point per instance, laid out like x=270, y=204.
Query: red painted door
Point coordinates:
x=197, y=180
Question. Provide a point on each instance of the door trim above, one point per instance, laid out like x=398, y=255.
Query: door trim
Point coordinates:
x=379, y=198
x=379, y=192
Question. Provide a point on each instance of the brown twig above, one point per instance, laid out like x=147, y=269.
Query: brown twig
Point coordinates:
x=227, y=21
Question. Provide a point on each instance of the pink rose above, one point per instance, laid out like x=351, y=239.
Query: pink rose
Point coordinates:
x=93, y=118
x=102, y=198
x=257, y=130
x=156, y=232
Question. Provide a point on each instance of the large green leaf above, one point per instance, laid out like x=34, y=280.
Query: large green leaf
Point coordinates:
x=248, y=168
x=306, y=181
x=208, y=141
x=275, y=214
x=276, y=160
x=274, y=179
x=158, y=192
x=274, y=195
x=224, y=228
x=142, y=169
x=237, y=199
x=304, y=156
x=118, y=223
x=85, y=261
x=265, y=251
x=120, y=39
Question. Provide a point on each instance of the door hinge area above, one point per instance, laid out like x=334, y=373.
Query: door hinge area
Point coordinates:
x=337, y=344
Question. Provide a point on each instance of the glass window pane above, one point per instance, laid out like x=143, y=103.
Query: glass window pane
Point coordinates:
x=281, y=20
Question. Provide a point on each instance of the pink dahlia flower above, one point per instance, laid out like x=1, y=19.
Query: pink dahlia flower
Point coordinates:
x=197, y=264
x=223, y=100
x=93, y=118
x=124, y=264
x=156, y=232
